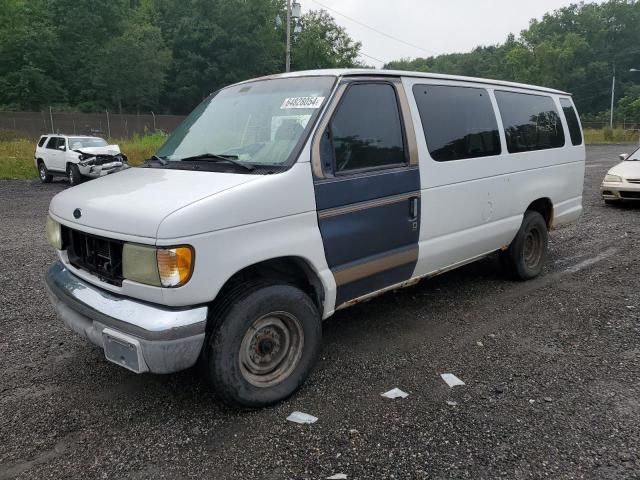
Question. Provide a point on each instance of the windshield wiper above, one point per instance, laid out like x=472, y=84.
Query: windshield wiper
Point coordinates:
x=215, y=157
x=155, y=158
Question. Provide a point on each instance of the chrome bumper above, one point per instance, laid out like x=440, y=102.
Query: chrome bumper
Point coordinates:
x=164, y=339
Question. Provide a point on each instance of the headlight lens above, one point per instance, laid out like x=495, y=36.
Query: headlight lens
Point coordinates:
x=612, y=178
x=160, y=267
x=139, y=264
x=175, y=265
x=54, y=233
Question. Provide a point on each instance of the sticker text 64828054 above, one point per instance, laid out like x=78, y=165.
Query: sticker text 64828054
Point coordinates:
x=302, y=102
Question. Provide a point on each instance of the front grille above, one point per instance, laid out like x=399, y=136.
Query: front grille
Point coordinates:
x=633, y=180
x=98, y=255
x=630, y=194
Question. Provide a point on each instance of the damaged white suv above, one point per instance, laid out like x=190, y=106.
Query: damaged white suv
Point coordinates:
x=76, y=157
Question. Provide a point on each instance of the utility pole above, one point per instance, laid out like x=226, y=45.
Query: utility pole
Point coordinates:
x=288, y=60
x=51, y=118
x=613, y=91
x=293, y=13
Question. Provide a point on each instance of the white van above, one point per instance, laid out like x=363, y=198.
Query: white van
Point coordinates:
x=282, y=199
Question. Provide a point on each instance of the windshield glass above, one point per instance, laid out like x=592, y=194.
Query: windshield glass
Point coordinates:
x=257, y=123
x=635, y=156
x=78, y=143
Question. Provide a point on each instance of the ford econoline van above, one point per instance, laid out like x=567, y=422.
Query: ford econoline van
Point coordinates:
x=283, y=199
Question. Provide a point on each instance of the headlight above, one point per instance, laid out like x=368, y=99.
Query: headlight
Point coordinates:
x=612, y=178
x=139, y=264
x=54, y=233
x=160, y=267
x=175, y=265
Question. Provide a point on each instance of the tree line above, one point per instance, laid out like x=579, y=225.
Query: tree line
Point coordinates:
x=167, y=55
x=575, y=49
x=158, y=55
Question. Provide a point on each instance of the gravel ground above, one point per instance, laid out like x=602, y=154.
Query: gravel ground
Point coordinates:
x=551, y=367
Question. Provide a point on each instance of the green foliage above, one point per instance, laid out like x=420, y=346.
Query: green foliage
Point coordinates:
x=159, y=55
x=323, y=44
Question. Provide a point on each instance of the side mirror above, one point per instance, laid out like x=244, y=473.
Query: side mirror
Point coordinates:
x=623, y=156
x=63, y=148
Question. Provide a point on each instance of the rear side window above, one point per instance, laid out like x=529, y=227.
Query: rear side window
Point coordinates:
x=531, y=122
x=572, y=121
x=458, y=122
x=54, y=142
x=365, y=130
x=42, y=140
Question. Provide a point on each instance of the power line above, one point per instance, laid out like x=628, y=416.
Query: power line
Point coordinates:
x=375, y=29
x=371, y=57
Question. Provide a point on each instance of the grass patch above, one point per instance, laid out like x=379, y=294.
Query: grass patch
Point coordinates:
x=16, y=155
x=610, y=135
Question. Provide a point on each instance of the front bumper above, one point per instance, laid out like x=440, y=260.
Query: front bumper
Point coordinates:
x=136, y=335
x=620, y=190
x=95, y=170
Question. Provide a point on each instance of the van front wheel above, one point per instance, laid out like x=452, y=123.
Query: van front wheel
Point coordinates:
x=527, y=253
x=263, y=345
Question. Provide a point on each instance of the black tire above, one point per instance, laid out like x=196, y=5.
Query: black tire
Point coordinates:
x=526, y=255
x=231, y=357
x=43, y=173
x=73, y=173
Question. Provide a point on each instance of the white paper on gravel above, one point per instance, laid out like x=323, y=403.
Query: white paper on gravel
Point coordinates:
x=451, y=379
x=338, y=476
x=300, y=417
x=395, y=393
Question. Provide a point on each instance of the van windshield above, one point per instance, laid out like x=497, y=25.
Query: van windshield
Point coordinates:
x=256, y=123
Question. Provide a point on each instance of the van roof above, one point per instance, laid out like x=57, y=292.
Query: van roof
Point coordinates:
x=349, y=72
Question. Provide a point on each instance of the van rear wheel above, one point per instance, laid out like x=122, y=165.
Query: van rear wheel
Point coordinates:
x=263, y=345
x=526, y=255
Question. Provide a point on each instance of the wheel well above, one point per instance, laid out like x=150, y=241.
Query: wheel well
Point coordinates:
x=292, y=270
x=545, y=208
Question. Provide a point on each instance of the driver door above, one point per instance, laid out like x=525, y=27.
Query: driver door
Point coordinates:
x=367, y=188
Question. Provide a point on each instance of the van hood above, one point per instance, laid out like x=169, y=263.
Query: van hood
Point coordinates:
x=135, y=201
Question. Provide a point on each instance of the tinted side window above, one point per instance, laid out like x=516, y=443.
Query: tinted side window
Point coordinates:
x=366, y=130
x=572, y=121
x=531, y=122
x=42, y=140
x=53, y=143
x=458, y=122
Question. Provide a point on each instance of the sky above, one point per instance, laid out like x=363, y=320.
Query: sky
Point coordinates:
x=436, y=26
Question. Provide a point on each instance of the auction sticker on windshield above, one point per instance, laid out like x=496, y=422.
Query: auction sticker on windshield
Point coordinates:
x=302, y=102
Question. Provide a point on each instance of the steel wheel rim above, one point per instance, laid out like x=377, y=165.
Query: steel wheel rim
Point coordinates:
x=271, y=349
x=71, y=179
x=532, y=250
x=43, y=174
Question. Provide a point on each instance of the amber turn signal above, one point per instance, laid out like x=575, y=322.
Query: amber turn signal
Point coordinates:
x=175, y=265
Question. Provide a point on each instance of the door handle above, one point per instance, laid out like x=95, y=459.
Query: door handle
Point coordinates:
x=413, y=209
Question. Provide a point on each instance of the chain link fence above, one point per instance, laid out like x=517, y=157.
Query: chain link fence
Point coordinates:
x=34, y=124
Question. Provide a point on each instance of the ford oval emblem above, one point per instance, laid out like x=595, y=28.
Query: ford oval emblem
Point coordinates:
x=77, y=213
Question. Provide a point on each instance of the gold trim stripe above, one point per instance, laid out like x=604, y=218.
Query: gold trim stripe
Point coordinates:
x=355, y=207
x=363, y=270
